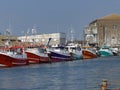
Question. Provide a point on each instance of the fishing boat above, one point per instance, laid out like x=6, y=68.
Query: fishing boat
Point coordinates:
x=75, y=51
x=14, y=56
x=88, y=52
x=105, y=51
x=115, y=51
x=59, y=54
x=37, y=55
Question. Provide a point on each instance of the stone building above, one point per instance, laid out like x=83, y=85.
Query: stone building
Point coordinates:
x=57, y=39
x=105, y=30
x=8, y=40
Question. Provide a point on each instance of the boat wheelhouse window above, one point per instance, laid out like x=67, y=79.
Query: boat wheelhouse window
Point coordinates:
x=78, y=48
x=41, y=50
x=19, y=50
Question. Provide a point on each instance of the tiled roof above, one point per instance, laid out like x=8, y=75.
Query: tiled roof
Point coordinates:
x=111, y=16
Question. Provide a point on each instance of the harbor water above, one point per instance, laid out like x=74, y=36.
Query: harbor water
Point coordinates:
x=71, y=75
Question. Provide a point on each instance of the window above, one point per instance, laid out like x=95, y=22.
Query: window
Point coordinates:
x=113, y=37
x=114, y=27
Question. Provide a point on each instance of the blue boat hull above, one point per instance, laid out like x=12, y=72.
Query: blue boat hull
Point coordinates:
x=56, y=57
x=76, y=57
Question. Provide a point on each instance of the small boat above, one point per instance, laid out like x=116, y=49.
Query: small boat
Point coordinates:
x=58, y=54
x=88, y=53
x=105, y=51
x=115, y=51
x=37, y=55
x=75, y=51
x=14, y=56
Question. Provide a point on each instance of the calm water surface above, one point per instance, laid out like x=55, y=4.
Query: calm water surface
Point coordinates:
x=73, y=75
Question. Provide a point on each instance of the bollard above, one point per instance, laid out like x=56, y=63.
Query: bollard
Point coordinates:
x=104, y=84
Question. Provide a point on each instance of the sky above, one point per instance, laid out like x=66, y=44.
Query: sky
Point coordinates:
x=51, y=16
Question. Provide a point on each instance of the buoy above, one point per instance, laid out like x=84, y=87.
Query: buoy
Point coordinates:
x=104, y=84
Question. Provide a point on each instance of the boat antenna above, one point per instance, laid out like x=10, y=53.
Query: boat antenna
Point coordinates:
x=34, y=31
x=72, y=34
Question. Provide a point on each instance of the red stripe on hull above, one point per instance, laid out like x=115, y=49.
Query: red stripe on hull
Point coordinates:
x=7, y=61
x=33, y=58
x=44, y=60
x=19, y=62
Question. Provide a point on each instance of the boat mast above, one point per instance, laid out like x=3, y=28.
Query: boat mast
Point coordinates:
x=8, y=33
x=72, y=35
x=34, y=33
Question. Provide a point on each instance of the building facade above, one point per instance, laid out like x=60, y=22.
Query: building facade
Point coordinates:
x=56, y=39
x=104, y=31
x=8, y=40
